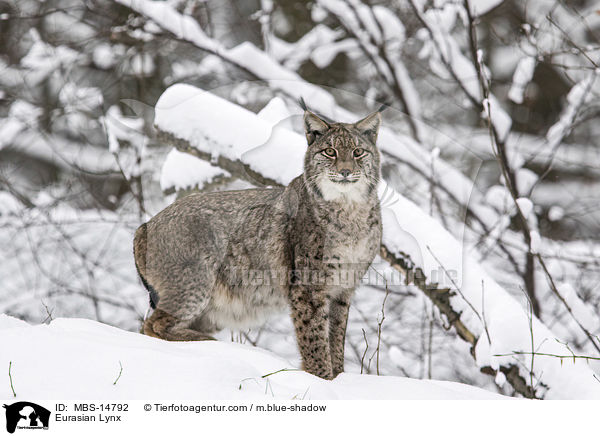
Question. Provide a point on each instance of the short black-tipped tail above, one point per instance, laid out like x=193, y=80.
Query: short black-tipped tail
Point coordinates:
x=139, y=256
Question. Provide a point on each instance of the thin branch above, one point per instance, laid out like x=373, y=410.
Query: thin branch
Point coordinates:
x=554, y=289
x=278, y=371
x=10, y=378
x=380, y=323
x=362, y=359
x=457, y=287
x=559, y=356
x=120, y=372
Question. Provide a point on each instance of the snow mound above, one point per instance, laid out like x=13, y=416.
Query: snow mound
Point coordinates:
x=81, y=360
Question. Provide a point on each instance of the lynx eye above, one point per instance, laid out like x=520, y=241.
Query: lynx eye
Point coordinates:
x=329, y=152
x=359, y=152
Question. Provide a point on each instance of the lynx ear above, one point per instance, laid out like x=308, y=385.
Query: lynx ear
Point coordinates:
x=314, y=126
x=369, y=126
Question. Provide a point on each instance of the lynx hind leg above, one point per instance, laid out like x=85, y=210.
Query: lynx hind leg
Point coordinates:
x=165, y=326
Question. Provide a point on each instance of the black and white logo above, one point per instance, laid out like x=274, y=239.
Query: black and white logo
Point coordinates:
x=26, y=415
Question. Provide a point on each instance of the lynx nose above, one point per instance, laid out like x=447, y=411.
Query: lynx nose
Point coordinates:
x=345, y=173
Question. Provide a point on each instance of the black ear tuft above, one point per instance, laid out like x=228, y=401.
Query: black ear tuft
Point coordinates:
x=314, y=126
x=369, y=126
x=302, y=104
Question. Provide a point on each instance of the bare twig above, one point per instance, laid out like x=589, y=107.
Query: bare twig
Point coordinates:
x=530, y=321
x=278, y=371
x=362, y=360
x=120, y=372
x=559, y=356
x=485, y=326
x=10, y=378
x=380, y=322
x=430, y=344
x=48, y=312
x=456, y=287
x=593, y=339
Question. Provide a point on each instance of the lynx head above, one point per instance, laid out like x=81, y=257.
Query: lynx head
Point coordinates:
x=342, y=161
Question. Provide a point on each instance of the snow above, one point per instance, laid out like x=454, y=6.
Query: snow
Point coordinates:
x=402, y=241
x=120, y=127
x=183, y=171
x=21, y=115
x=275, y=111
x=74, y=97
x=582, y=312
x=292, y=55
x=525, y=205
x=556, y=213
x=324, y=54
x=103, y=56
x=500, y=379
x=577, y=97
x=378, y=21
x=504, y=61
x=141, y=64
x=70, y=26
x=498, y=117
x=443, y=50
x=182, y=26
x=82, y=359
x=481, y=7
x=317, y=13
x=499, y=198
x=522, y=76
x=42, y=59
x=9, y=204
x=25, y=112
x=204, y=120
x=526, y=180
x=178, y=110
x=387, y=21
x=536, y=241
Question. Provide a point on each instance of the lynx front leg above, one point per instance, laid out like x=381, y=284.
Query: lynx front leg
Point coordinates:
x=310, y=313
x=338, y=320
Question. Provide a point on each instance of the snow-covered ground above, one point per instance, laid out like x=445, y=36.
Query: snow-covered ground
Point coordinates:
x=81, y=359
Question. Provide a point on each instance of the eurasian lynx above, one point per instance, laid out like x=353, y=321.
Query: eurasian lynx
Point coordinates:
x=232, y=259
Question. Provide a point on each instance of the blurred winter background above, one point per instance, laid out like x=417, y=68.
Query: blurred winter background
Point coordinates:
x=495, y=103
